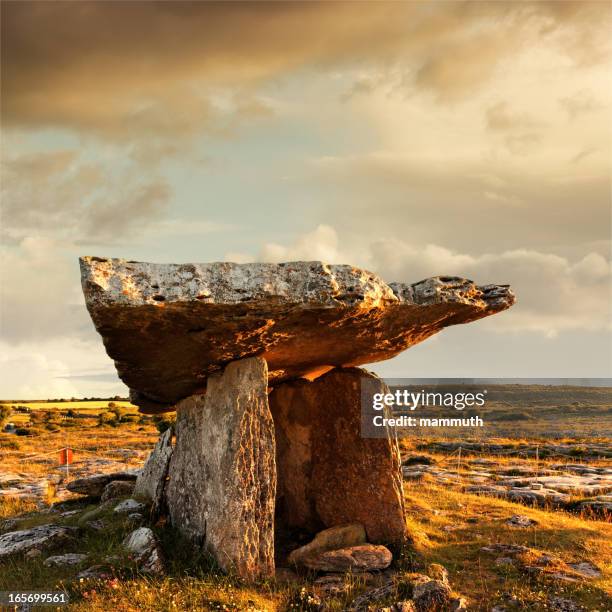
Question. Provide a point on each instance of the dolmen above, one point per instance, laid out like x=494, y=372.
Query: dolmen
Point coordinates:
x=260, y=362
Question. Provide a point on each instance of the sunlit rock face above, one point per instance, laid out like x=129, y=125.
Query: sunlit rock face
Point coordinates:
x=327, y=473
x=222, y=475
x=169, y=326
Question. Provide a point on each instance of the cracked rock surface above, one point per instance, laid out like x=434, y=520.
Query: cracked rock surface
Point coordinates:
x=169, y=326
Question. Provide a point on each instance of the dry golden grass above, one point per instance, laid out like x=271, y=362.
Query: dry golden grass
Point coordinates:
x=439, y=518
x=448, y=527
x=35, y=455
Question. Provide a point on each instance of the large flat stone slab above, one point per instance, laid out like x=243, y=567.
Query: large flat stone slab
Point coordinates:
x=222, y=476
x=169, y=326
x=328, y=475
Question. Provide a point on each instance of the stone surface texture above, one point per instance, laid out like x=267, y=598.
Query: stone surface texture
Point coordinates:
x=117, y=488
x=64, y=560
x=169, y=326
x=151, y=481
x=333, y=538
x=143, y=544
x=328, y=475
x=362, y=558
x=36, y=538
x=94, y=485
x=221, y=490
x=127, y=506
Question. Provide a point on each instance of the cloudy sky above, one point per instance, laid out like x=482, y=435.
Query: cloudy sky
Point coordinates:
x=414, y=139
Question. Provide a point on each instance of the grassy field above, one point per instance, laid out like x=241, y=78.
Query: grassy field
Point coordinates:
x=448, y=526
x=437, y=520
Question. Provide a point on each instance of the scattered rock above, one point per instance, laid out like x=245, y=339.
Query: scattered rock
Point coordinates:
x=152, y=480
x=302, y=315
x=561, y=604
x=94, y=485
x=8, y=524
x=136, y=518
x=363, y=601
x=8, y=480
x=334, y=538
x=69, y=513
x=144, y=545
x=431, y=595
x=95, y=572
x=128, y=505
x=518, y=520
x=117, y=488
x=586, y=569
x=362, y=558
x=41, y=537
x=65, y=560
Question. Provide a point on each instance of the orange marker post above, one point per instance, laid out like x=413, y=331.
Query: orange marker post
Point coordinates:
x=65, y=458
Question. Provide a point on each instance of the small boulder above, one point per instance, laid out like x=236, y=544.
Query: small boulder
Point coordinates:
x=65, y=560
x=117, y=488
x=432, y=595
x=95, y=572
x=143, y=544
x=519, y=520
x=362, y=558
x=93, y=486
x=586, y=569
x=128, y=506
x=135, y=518
x=36, y=538
x=334, y=538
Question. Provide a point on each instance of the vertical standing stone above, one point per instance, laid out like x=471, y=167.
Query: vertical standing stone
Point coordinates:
x=327, y=473
x=151, y=481
x=222, y=484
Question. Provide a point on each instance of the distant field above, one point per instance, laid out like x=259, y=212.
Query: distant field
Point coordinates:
x=94, y=405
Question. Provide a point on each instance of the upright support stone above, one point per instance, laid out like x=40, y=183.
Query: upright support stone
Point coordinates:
x=327, y=473
x=222, y=486
x=151, y=482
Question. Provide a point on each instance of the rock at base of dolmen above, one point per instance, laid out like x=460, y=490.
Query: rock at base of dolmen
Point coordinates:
x=93, y=486
x=151, y=481
x=328, y=474
x=222, y=476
